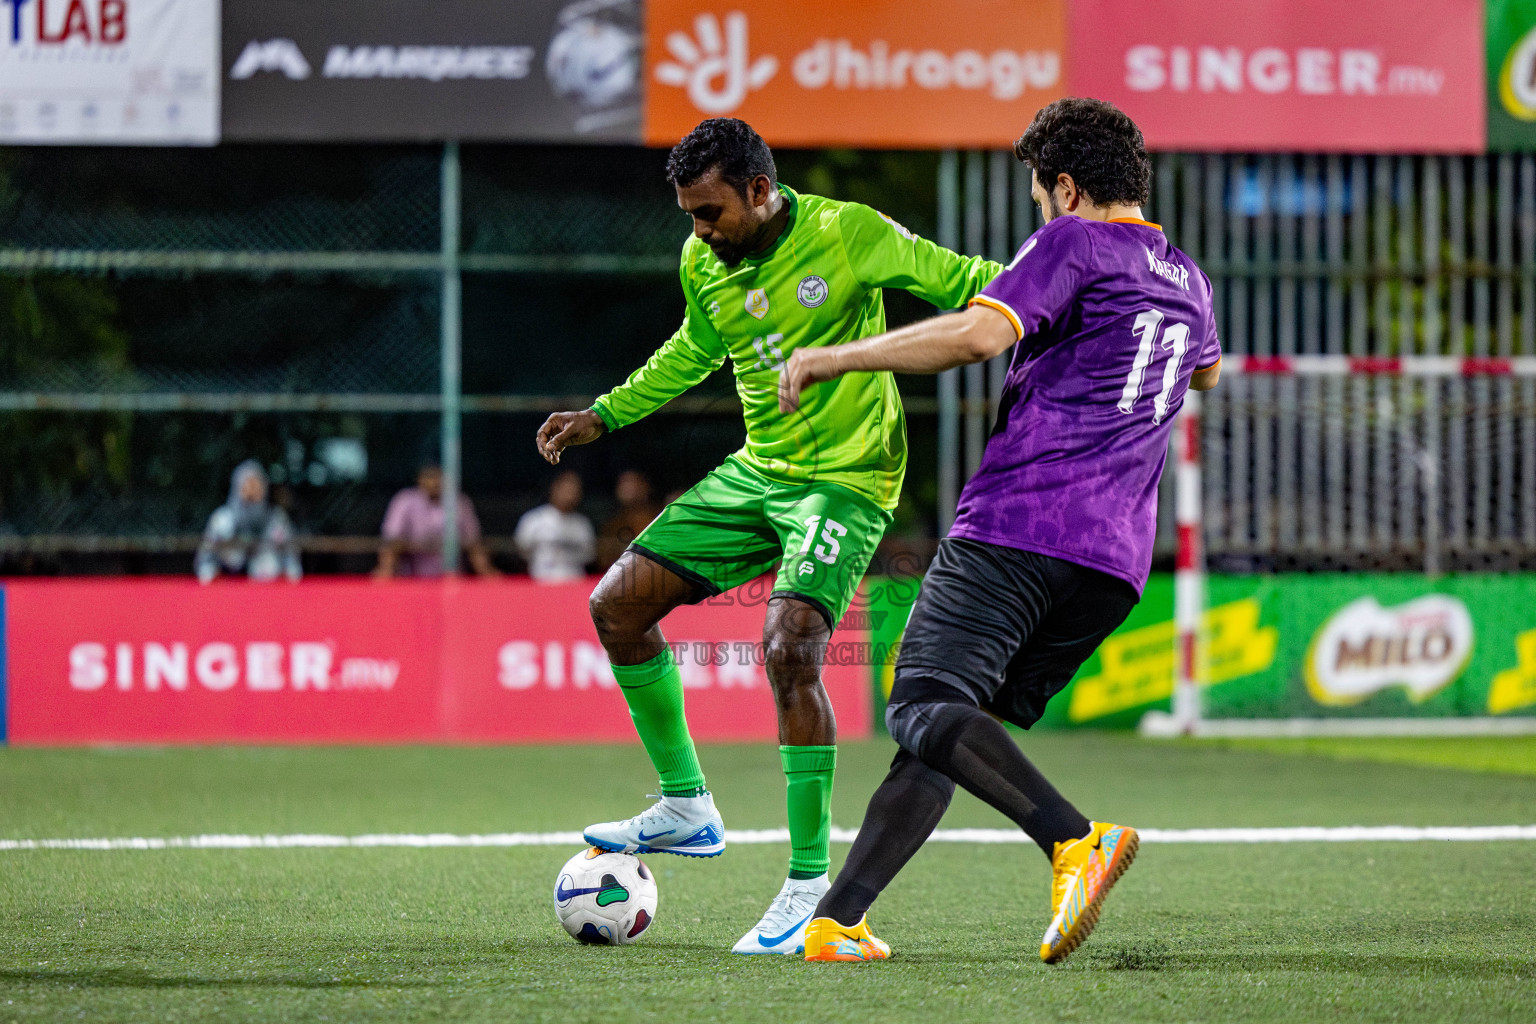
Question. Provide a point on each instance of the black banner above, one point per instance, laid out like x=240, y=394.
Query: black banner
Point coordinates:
x=423, y=70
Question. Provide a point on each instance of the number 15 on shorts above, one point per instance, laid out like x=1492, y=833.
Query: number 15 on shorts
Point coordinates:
x=826, y=548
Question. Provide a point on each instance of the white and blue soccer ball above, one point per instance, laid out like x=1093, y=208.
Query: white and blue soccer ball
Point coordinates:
x=605, y=899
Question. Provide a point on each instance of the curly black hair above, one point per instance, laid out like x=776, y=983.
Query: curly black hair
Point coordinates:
x=724, y=142
x=1094, y=142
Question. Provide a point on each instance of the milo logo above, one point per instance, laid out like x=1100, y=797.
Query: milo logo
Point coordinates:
x=1363, y=648
x=1517, y=78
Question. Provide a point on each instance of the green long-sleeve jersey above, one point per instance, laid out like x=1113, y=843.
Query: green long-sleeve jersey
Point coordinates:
x=819, y=284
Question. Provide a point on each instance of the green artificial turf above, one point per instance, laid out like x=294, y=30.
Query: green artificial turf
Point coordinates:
x=1511, y=754
x=1300, y=932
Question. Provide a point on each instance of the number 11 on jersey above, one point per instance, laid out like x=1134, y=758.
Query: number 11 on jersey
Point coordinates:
x=1176, y=338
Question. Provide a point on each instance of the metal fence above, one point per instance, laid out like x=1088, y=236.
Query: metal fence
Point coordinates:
x=1367, y=256
x=316, y=293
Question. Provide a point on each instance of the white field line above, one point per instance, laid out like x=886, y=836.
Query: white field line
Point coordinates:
x=758, y=837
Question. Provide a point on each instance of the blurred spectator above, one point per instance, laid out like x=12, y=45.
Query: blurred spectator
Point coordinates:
x=248, y=534
x=413, y=531
x=636, y=510
x=555, y=539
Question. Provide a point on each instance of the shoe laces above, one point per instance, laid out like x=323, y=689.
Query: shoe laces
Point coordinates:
x=791, y=904
x=650, y=812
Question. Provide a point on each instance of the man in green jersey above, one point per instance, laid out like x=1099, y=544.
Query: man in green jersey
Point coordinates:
x=767, y=271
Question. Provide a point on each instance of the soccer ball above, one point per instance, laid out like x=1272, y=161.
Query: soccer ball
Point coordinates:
x=605, y=899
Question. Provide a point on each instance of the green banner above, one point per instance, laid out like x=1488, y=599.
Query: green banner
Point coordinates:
x=1511, y=75
x=1299, y=646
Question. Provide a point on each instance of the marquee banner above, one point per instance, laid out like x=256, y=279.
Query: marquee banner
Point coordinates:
x=400, y=70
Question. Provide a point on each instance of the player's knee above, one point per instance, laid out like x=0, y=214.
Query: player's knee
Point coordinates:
x=793, y=661
x=612, y=616
x=918, y=724
x=902, y=722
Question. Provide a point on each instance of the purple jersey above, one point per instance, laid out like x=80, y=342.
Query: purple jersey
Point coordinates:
x=1112, y=322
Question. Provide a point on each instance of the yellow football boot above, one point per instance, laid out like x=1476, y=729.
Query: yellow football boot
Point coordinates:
x=828, y=941
x=1083, y=872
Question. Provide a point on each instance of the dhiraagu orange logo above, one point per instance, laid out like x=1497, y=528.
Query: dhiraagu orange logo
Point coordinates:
x=1517, y=78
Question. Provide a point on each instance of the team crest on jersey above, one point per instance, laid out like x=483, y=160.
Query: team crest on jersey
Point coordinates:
x=812, y=291
x=757, y=302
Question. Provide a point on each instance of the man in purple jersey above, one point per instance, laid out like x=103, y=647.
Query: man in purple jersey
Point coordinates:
x=1052, y=542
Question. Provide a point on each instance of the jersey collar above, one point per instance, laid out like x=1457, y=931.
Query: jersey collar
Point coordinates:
x=1135, y=220
x=789, y=226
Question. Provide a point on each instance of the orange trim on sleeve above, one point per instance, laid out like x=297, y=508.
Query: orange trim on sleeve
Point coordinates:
x=1202, y=369
x=1003, y=308
x=1135, y=220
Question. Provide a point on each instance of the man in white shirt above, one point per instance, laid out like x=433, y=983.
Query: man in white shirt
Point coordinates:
x=557, y=541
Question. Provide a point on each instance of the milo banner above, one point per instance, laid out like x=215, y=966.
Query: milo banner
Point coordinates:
x=1300, y=646
x=1511, y=74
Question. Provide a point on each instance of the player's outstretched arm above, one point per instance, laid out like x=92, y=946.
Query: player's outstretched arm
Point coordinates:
x=929, y=346
x=883, y=254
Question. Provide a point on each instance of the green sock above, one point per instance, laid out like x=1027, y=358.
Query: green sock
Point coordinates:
x=808, y=777
x=654, y=690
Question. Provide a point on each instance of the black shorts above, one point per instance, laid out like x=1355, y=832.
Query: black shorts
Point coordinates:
x=1004, y=629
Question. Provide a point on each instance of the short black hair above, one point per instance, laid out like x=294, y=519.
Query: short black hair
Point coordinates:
x=725, y=143
x=1093, y=141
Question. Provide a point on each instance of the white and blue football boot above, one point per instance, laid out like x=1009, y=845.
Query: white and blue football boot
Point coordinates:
x=782, y=929
x=686, y=825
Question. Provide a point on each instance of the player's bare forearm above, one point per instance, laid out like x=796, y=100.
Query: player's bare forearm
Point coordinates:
x=564, y=429
x=928, y=346
x=1205, y=379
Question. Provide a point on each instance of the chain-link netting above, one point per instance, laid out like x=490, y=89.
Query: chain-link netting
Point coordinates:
x=234, y=334
x=570, y=202
x=266, y=199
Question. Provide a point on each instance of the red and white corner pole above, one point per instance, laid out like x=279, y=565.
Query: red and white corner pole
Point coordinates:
x=1189, y=570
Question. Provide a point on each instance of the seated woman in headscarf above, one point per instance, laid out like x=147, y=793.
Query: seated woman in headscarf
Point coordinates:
x=247, y=534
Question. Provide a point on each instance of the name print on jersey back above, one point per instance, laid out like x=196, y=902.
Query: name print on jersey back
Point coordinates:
x=1168, y=270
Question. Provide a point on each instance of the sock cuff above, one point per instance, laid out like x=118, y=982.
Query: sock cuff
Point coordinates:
x=807, y=759
x=647, y=672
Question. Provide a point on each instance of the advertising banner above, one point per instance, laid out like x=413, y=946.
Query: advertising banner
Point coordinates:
x=1299, y=75
x=168, y=661
x=1511, y=75
x=102, y=72
x=383, y=70
x=1301, y=646
x=877, y=74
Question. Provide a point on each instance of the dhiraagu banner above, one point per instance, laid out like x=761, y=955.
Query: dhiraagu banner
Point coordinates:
x=1299, y=646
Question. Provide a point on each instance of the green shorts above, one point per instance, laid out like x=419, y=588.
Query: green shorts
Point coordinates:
x=735, y=525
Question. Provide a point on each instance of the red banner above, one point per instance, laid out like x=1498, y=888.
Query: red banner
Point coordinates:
x=167, y=661
x=1310, y=75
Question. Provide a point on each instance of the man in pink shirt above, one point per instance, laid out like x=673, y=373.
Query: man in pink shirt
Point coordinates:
x=413, y=531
